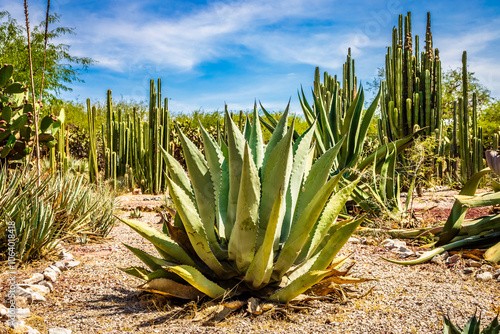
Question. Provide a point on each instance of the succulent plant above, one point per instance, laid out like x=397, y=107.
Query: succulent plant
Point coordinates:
x=250, y=218
x=473, y=326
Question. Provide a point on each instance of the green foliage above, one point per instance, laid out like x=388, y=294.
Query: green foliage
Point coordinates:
x=249, y=217
x=61, y=68
x=473, y=326
x=62, y=207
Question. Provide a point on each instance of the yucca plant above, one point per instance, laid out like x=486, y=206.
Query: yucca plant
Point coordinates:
x=473, y=326
x=250, y=218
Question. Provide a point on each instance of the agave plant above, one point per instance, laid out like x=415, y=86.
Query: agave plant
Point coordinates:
x=250, y=217
x=473, y=326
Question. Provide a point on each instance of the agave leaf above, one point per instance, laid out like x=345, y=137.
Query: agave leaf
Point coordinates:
x=215, y=159
x=336, y=242
x=174, y=252
x=152, y=262
x=171, y=288
x=493, y=327
x=324, y=124
x=302, y=227
x=310, y=118
x=352, y=123
x=450, y=328
x=236, y=146
x=298, y=286
x=278, y=134
x=300, y=163
x=275, y=179
x=363, y=130
x=457, y=214
x=194, y=228
x=197, y=280
x=317, y=177
x=256, y=142
x=328, y=218
x=241, y=246
x=204, y=191
x=472, y=326
x=247, y=129
x=138, y=272
x=179, y=235
x=259, y=271
x=478, y=200
x=493, y=254
x=177, y=173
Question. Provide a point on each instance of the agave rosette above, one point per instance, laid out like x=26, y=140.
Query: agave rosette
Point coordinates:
x=250, y=217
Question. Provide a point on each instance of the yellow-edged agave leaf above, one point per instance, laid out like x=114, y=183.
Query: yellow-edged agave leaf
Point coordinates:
x=479, y=200
x=195, y=278
x=300, y=163
x=204, y=191
x=457, y=214
x=236, y=148
x=174, y=252
x=298, y=286
x=194, y=228
x=302, y=227
x=275, y=179
x=259, y=271
x=177, y=173
x=256, y=141
x=336, y=242
x=493, y=254
x=171, y=288
x=330, y=213
x=316, y=178
x=138, y=272
x=151, y=261
x=241, y=246
x=215, y=159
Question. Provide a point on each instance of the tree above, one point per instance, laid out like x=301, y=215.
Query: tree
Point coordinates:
x=489, y=120
x=61, y=67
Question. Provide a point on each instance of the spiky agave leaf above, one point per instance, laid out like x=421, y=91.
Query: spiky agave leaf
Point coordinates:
x=244, y=214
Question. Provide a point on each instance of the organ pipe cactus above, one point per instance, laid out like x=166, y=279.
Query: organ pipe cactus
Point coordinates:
x=250, y=217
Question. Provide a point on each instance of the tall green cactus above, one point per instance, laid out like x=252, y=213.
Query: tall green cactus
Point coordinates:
x=93, y=167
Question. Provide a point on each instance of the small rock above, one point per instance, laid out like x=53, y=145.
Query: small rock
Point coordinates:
x=47, y=284
x=35, y=278
x=353, y=240
x=65, y=255
x=452, y=260
x=29, y=330
x=26, y=293
x=467, y=271
x=496, y=274
x=387, y=243
x=484, y=277
x=59, y=331
x=22, y=313
x=3, y=311
x=474, y=264
x=36, y=297
x=16, y=324
x=50, y=275
x=57, y=270
x=60, y=265
x=72, y=264
x=43, y=290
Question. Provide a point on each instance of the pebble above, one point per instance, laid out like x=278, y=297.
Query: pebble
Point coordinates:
x=496, y=274
x=60, y=265
x=55, y=268
x=43, y=290
x=353, y=240
x=484, y=277
x=72, y=264
x=452, y=260
x=59, y=331
x=50, y=275
x=47, y=284
x=65, y=255
x=474, y=264
x=467, y=271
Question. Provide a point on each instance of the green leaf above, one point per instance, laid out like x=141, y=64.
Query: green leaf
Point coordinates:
x=138, y=272
x=7, y=114
x=298, y=286
x=256, y=141
x=174, y=252
x=241, y=246
x=278, y=134
x=46, y=123
x=5, y=74
x=259, y=271
x=450, y=328
x=177, y=173
x=478, y=200
x=14, y=88
x=19, y=122
x=197, y=280
x=194, y=228
x=152, y=262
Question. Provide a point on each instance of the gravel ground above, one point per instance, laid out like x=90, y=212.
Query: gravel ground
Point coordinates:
x=96, y=297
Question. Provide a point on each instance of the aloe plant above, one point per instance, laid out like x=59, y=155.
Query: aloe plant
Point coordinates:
x=473, y=326
x=249, y=217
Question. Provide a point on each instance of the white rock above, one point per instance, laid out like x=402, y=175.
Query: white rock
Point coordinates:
x=486, y=276
x=43, y=290
x=387, y=243
x=65, y=255
x=59, y=331
x=50, y=275
x=57, y=270
x=35, y=278
x=47, y=284
x=15, y=324
x=22, y=292
x=60, y=265
x=29, y=330
x=3, y=311
x=362, y=241
x=36, y=297
x=419, y=253
x=399, y=243
x=22, y=313
x=496, y=274
x=72, y=264
x=353, y=240
x=474, y=264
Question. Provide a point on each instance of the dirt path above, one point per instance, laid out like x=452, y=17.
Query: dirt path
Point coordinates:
x=96, y=297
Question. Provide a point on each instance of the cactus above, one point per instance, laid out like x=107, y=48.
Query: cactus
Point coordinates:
x=93, y=168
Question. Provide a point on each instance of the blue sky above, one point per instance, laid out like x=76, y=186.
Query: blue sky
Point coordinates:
x=211, y=52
